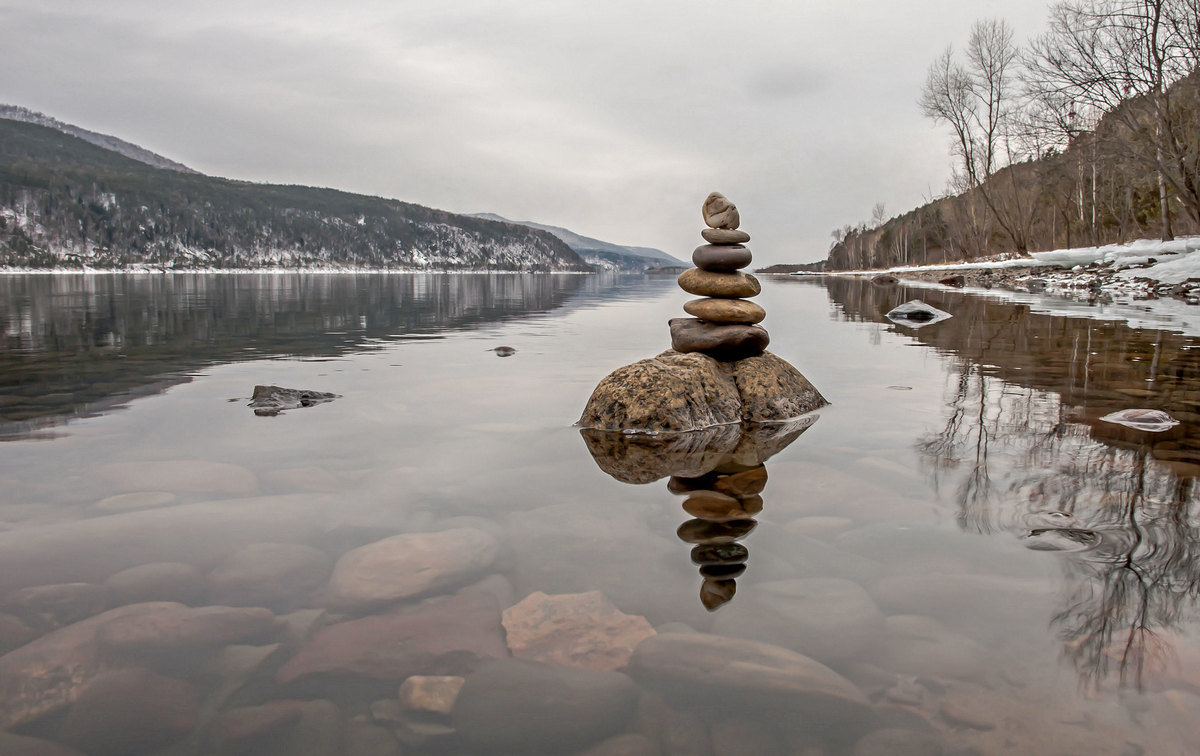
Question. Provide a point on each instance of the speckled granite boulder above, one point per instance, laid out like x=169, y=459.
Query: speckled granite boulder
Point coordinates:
x=672, y=392
x=771, y=389
x=675, y=392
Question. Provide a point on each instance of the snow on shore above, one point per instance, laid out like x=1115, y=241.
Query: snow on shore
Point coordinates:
x=1147, y=283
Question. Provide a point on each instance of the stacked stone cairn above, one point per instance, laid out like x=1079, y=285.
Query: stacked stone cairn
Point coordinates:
x=724, y=325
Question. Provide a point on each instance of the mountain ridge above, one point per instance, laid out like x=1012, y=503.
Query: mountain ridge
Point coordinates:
x=67, y=202
x=595, y=251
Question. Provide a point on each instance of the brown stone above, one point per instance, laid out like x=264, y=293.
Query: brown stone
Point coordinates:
x=642, y=458
x=718, y=507
x=446, y=636
x=705, y=283
x=411, y=565
x=157, y=581
x=14, y=633
x=716, y=310
x=720, y=553
x=12, y=744
x=181, y=627
x=129, y=711
x=59, y=604
x=716, y=593
x=252, y=721
x=725, y=236
x=576, y=629
x=721, y=258
x=771, y=389
x=719, y=212
x=722, y=342
x=708, y=532
x=748, y=674
x=744, y=483
x=431, y=693
x=275, y=575
x=45, y=675
x=670, y=392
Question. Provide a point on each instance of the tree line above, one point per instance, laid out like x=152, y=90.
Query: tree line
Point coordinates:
x=1088, y=134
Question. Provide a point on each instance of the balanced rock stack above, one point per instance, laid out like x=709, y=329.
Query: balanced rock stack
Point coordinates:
x=725, y=323
x=717, y=371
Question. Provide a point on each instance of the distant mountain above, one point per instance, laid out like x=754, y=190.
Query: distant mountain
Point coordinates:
x=67, y=203
x=120, y=146
x=601, y=254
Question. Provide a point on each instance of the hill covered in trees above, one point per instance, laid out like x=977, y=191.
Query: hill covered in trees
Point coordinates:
x=1087, y=135
x=67, y=203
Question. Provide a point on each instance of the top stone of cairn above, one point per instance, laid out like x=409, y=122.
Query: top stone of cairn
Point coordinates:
x=720, y=212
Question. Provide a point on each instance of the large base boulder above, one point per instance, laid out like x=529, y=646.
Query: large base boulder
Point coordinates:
x=674, y=393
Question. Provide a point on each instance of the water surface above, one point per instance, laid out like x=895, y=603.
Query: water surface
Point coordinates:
x=958, y=534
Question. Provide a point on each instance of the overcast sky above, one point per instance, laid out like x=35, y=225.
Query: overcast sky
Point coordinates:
x=612, y=118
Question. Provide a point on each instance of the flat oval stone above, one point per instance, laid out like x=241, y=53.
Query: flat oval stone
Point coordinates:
x=716, y=507
x=725, y=236
x=721, y=258
x=704, y=283
x=721, y=342
x=720, y=553
x=707, y=533
x=716, y=310
x=720, y=212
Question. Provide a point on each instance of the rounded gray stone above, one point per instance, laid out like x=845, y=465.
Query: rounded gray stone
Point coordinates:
x=725, y=236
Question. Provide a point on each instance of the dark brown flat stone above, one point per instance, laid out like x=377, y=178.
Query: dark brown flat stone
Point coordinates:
x=721, y=258
x=704, y=283
x=721, y=342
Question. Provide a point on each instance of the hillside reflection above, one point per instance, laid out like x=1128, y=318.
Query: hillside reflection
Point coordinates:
x=81, y=345
x=1022, y=450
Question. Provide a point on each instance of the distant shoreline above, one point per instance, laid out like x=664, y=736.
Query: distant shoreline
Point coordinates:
x=275, y=272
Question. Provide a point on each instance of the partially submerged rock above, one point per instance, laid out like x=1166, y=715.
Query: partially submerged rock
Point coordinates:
x=916, y=314
x=1150, y=420
x=268, y=401
x=676, y=392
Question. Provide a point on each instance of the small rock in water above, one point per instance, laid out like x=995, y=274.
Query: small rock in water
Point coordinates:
x=431, y=693
x=725, y=236
x=1152, y=421
x=916, y=313
x=720, y=212
x=504, y=351
x=268, y=401
x=575, y=629
x=885, y=279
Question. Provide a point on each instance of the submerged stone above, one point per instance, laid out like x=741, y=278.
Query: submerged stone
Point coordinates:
x=531, y=707
x=576, y=629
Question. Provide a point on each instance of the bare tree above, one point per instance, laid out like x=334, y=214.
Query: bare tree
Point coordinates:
x=1120, y=58
x=977, y=98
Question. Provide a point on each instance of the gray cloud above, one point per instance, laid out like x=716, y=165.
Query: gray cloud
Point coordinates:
x=613, y=119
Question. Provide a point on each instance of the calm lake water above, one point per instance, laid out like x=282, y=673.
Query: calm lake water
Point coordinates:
x=979, y=562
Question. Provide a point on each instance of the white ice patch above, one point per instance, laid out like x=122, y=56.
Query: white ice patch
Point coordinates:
x=1152, y=421
x=917, y=314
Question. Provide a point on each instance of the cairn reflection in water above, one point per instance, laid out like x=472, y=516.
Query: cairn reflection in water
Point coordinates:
x=722, y=473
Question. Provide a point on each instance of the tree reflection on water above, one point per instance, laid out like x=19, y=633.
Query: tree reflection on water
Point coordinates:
x=1023, y=451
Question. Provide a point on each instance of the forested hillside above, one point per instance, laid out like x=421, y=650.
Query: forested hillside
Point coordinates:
x=1087, y=135
x=67, y=203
